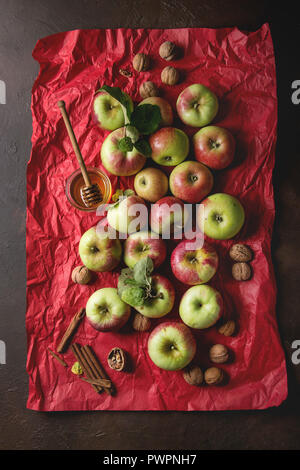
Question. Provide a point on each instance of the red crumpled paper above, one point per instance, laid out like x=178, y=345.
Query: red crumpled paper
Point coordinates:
x=239, y=67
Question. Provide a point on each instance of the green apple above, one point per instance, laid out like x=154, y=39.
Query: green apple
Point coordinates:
x=108, y=111
x=201, y=306
x=197, y=105
x=98, y=252
x=128, y=215
x=105, y=310
x=223, y=216
x=171, y=346
x=163, y=298
x=170, y=146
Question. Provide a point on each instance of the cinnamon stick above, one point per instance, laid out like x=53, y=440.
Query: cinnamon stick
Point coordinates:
x=71, y=330
x=102, y=382
x=76, y=349
x=59, y=359
x=89, y=353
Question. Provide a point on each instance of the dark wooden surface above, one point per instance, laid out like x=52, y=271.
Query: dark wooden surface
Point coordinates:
x=22, y=23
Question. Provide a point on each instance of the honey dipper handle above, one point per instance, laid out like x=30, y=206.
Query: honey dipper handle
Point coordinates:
x=62, y=107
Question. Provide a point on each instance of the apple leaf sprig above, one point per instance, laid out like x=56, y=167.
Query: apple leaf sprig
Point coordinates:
x=135, y=285
x=143, y=120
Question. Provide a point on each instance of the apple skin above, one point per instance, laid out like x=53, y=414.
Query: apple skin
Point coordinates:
x=165, y=109
x=151, y=184
x=223, y=215
x=98, y=252
x=201, y=307
x=117, y=162
x=171, y=346
x=196, y=266
x=161, y=218
x=170, y=146
x=141, y=244
x=214, y=146
x=191, y=181
x=105, y=310
x=161, y=306
x=197, y=105
x=108, y=112
x=118, y=215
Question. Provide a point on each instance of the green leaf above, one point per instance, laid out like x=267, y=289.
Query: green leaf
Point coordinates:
x=142, y=270
x=129, y=192
x=126, y=274
x=134, y=296
x=120, y=96
x=125, y=144
x=146, y=118
x=143, y=147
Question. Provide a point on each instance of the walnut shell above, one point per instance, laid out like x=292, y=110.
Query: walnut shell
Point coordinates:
x=141, y=62
x=218, y=354
x=168, y=50
x=117, y=359
x=170, y=75
x=214, y=376
x=148, y=89
x=241, y=253
x=81, y=275
x=193, y=375
x=141, y=323
x=241, y=271
x=228, y=328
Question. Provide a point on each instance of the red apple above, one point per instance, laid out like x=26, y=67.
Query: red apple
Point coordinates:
x=165, y=109
x=167, y=215
x=194, y=266
x=191, y=181
x=141, y=244
x=214, y=146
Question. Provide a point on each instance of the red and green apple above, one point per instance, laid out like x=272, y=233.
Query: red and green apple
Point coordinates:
x=128, y=215
x=194, y=266
x=197, y=105
x=191, y=181
x=214, y=146
x=141, y=244
x=167, y=215
x=170, y=146
x=108, y=111
x=151, y=184
x=118, y=162
x=165, y=109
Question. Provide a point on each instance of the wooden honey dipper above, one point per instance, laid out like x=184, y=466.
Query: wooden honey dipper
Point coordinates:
x=90, y=193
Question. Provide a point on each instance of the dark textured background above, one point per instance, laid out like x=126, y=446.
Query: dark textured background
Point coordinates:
x=22, y=23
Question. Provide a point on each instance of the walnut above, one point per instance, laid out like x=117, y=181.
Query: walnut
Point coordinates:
x=125, y=73
x=117, y=359
x=81, y=275
x=241, y=271
x=148, y=89
x=214, y=376
x=141, y=62
x=228, y=328
x=169, y=75
x=241, y=253
x=218, y=354
x=141, y=323
x=168, y=50
x=193, y=375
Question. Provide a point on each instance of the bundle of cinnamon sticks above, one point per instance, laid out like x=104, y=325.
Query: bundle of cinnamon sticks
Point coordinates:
x=95, y=374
